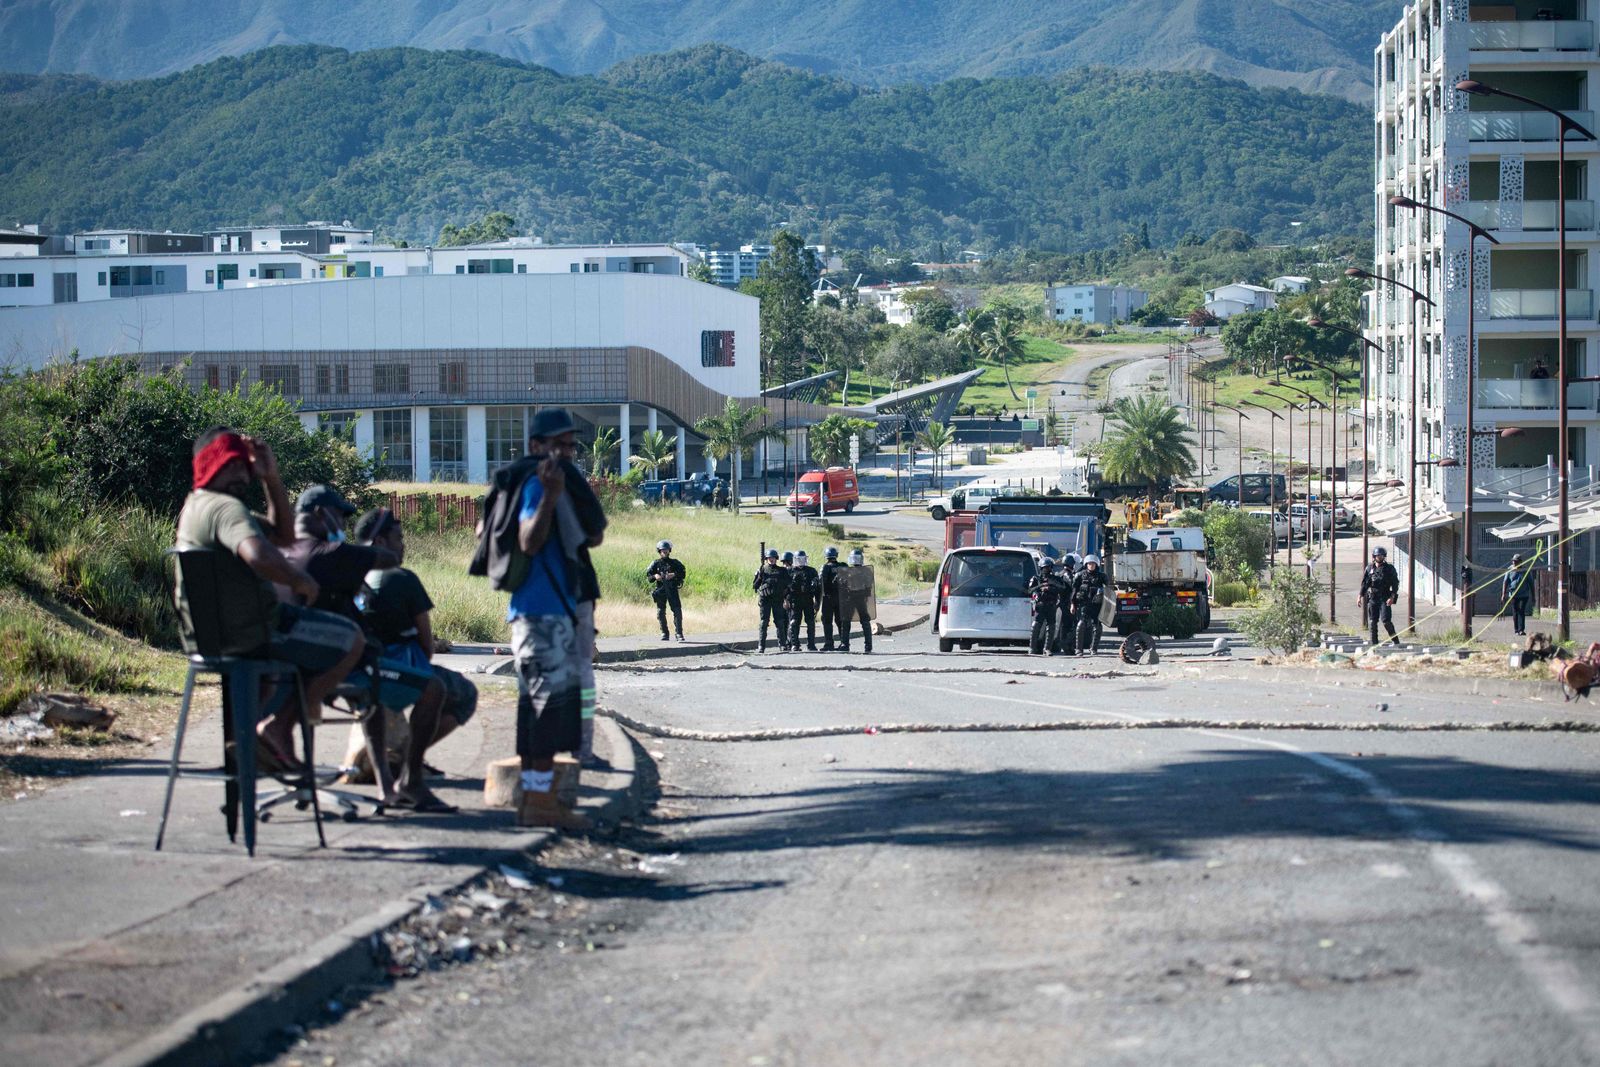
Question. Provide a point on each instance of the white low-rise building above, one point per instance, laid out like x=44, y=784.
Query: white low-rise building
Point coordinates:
x=1226, y=301
x=1102, y=304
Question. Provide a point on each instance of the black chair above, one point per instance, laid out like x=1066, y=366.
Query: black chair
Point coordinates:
x=241, y=705
x=358, y=699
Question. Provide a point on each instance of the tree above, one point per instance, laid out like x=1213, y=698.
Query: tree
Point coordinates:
x=493, y=227
x=1002, y=343
x=784, y=285
x=829, y=440
x=606, y=443
x=839, y=337
x=936, y=439
x=656, y=450
x=931, y=308
x=731, y=432
x=915, y=353
x=1201, y=317
x=1146, y=442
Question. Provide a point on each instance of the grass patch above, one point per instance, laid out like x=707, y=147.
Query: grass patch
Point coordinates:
x=1041, y=365
x=46, y=646
x=1233, y=387
x=719, y=550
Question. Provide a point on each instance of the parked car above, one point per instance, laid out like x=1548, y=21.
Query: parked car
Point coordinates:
x=974, y=496
x=981, y=597
x=1321, y=520
x=835, y=486
x=1258, y=489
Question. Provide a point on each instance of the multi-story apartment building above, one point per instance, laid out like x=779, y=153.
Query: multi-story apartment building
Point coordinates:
x=1494, y=161
x=1103, y=304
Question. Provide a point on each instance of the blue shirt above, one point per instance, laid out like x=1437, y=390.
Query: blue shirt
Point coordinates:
x=546, y=589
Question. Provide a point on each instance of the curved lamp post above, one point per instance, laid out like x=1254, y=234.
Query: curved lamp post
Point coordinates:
x=1417, y=296
x=1272, y=479
x=1366, y=420
x=1288, y=473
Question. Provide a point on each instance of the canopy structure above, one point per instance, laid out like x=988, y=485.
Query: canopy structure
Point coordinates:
x=910, y=410
x=1390, y=511
x=806, y=390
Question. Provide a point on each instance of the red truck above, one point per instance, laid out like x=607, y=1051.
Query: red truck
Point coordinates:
x=834, y=489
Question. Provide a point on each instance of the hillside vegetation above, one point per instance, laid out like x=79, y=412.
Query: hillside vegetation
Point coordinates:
x=709, y=145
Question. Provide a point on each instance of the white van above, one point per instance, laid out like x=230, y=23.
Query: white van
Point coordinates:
x=974, y=496
x=981, y=597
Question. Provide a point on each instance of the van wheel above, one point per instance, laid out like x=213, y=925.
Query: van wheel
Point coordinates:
x=937, y=513
x=947, y=644
x=848, y=508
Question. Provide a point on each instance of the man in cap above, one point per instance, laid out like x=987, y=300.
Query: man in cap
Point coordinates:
x=828, y=582
x=324, y=647
x=666, y=576
x=771, y=584
x=552, y=632
x=340, y=568
x=1516, y=589
x=1380, y=587
x=855, y=596
x=804, y=587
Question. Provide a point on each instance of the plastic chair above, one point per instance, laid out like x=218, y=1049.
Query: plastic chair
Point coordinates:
x=241, y=705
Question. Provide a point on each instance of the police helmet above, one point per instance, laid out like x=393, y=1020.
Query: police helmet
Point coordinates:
x=1071, y=559
x=1380, y=551
x=663, y=546
x=1091, y=558
x=857, y=557
x=800, y=556
x=772, y=553
x=788, y=557
x=830, y=553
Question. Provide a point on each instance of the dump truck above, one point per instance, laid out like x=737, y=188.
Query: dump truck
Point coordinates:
x=1160, y=563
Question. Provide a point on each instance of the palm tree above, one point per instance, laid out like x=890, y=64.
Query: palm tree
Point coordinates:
x=936, y=438
x=829, y=440
x=729, y=433
x=1146, y=443
x=605, y=445
x=656, y=450
x=1001, y=343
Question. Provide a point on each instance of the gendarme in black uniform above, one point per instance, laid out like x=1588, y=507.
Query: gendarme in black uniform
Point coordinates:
x=771, y=584
x=666, y=576
x=1088, y=590
x=1380, y=587
x=805, y=585
x=829, y=582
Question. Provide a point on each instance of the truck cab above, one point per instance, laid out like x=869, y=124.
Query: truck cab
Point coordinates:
x=1162, y=563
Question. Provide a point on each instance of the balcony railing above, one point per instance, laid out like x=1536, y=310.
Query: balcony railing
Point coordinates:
x=1539, y=304
x=1518, y=125
x=1536, y=214
x=1533, y=394
x=1570, y=35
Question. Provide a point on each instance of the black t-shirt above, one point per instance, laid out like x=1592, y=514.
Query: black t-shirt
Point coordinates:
x=340, y=568
x=395, y=598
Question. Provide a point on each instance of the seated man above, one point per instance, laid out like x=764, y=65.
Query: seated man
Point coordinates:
x=398, y=615
x=323, y=646
x=340, y=569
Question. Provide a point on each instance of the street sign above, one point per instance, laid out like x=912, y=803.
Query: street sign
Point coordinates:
x=1030, y=424
x=855, y=449
x=1031, y=394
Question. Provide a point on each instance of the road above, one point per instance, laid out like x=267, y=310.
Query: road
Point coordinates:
x=1113, y=891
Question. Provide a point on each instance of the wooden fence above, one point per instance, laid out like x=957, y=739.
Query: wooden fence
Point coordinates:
x=439, y=511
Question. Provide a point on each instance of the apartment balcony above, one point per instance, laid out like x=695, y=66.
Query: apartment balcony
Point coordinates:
x=1539, y=304
x=1496, y=126
x=1567, y=35
x=1533, y=395
x=1536, y=214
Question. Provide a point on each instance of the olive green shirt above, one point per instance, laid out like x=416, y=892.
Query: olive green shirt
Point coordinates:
x=247, y=607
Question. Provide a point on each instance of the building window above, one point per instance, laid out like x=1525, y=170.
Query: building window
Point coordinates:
x=391, y=443
x=377, y=272
x=101, y=278
x=234, y=376
x=460, y=269
x=522, y=268
x=447, y=444
x=93, y=244
x=333, y=378
x=284, y=377
x=591, y=268
x=550, y=374
x=391, y=378
x=211, y=277
x=213, y=376
x=252, y=272
x=337, y=423
x=575, y=267
x=65, y=288
x=506, y=431
x=161, y=277
x=716, y=348
x=226, y=272
x=453, y=378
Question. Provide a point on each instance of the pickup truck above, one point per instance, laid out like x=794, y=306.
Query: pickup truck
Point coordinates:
x=1165, y=563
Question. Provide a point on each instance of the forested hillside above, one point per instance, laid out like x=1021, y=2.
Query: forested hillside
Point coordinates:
x=709, y=145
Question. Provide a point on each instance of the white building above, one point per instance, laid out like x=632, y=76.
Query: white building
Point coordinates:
x=1494, y=161
x=1103, y=304
x=1289, y=283
x=1226, y=301
x=313, y=238
x=438, y=372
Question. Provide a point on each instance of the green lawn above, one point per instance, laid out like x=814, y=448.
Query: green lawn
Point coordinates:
x=1232, y=388
x=1041, y=365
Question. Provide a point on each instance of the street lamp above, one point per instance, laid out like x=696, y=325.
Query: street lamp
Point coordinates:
x=1272, y=479
x=1416, y=359
x=1474, y=232
x=1243, y=418
x=1333, y=491
x=1288, y=470
x=1564, y=124
x=1366, y=420
x=1311, y=401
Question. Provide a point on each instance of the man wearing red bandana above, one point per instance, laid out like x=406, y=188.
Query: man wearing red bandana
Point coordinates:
x=323, y=645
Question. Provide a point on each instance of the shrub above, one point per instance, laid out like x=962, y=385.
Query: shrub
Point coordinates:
x=1290, y=618
x=1228, y=594
x=1170, y=617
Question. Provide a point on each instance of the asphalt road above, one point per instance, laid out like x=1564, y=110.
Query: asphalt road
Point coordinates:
x=1230, y=892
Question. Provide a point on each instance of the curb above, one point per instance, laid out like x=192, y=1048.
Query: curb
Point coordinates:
x=226, y=1029
x=1443, y=685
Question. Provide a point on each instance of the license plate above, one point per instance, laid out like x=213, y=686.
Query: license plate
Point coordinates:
x=990, y=601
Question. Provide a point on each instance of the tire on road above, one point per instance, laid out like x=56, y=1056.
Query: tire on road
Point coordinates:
x=947, y=644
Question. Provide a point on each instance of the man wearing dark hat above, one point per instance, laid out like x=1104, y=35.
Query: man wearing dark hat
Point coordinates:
x=1380, y=587
x=771, y=584
x=1516, y=589
x=324, y=647
x=340, y=568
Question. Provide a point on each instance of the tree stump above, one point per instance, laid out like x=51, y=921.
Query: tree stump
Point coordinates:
x=501, y=782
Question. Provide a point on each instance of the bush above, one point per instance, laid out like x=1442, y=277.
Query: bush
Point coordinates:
x=1236, y=539
x=1290, y=619
x=1170, y=617
x=1228, y=594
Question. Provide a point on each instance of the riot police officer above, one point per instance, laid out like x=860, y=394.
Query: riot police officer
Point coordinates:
x=1380, y=588
x=829, y=584
x=666, y=576
x=1067, y=621
x=771, y=584
x=1045, y=589
x=804, y=586
x=1088, y=590
x=855, y=591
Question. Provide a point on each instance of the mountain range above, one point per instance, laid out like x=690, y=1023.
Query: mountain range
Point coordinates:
x=1322, y=46
x=709, y=145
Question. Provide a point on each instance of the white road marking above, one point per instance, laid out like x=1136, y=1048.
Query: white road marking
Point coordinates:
x=1517, y=934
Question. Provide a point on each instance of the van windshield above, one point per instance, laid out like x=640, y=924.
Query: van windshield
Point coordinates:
x=987, y=574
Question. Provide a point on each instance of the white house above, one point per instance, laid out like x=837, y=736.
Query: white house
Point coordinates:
x=1289, y=283
x=1226, y=301
x=1103, y=304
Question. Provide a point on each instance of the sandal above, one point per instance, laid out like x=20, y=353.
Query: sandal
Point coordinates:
x=270, y=759
x=428, y=805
